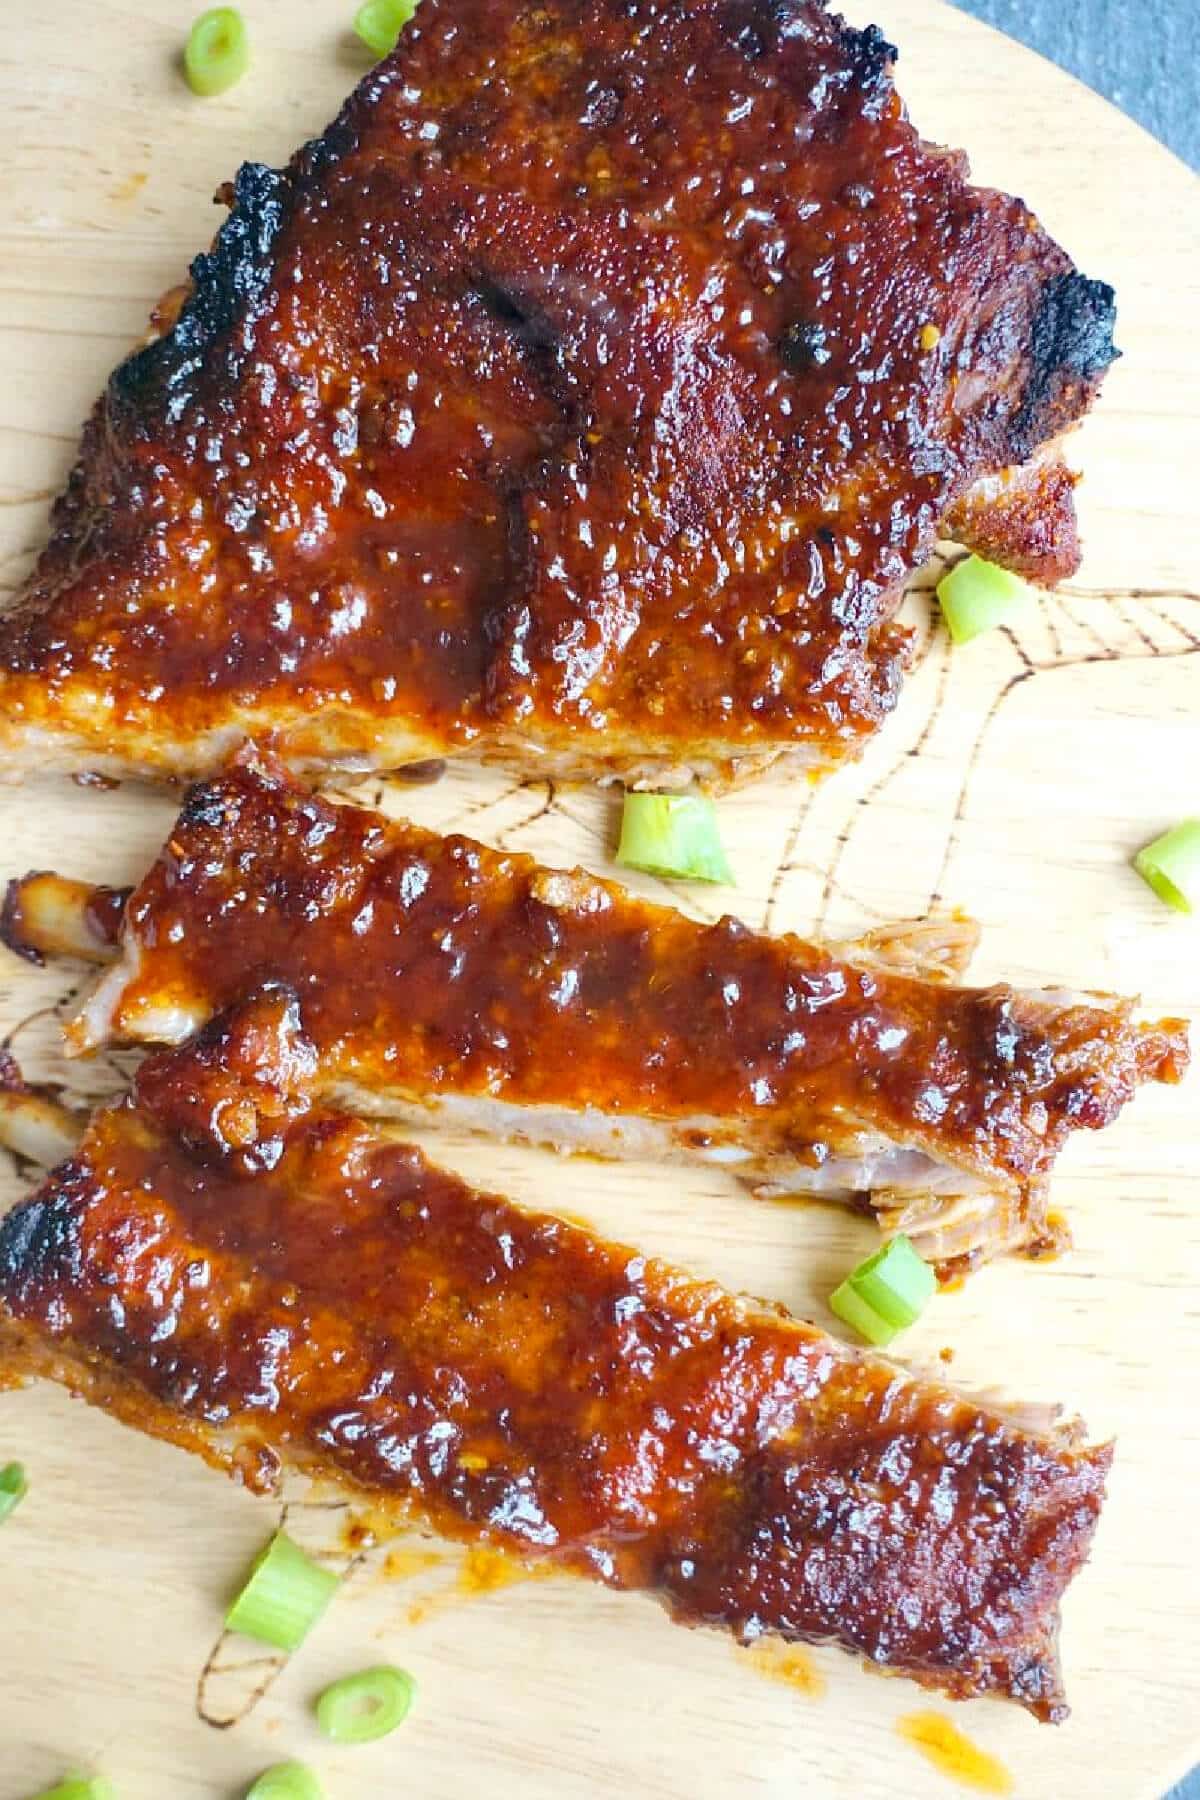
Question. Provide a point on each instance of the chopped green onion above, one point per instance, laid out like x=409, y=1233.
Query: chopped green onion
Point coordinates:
x=13, y=1488
x=365, y=1706
x=80, y=1787
x=886, y=1293
x=285, y=1596
x=977, y=596
x=673, y=834
x=1171, y=865
x=286, y=1781
x=217, y=52
x=379, y=23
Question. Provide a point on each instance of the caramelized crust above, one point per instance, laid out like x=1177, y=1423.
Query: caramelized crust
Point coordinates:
x=584, y=395
x=433, y=971
x=1023, y=519
x=266, y=1285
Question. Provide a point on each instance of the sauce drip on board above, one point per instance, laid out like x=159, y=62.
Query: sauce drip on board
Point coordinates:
x=953, y=1753
x=790, y=1663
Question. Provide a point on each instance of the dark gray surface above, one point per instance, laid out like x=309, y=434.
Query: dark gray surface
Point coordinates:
x=1146, y=59
x=1143, y=56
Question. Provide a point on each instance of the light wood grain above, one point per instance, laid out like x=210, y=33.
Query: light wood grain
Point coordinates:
x=1045, y=757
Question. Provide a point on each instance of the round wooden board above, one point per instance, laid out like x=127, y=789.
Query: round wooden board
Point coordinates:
x=1017, y=778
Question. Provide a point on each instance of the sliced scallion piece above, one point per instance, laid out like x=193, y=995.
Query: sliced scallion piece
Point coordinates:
x=286, y=1781
x=80, y=1787
x=1171, y=865
x=284, y=1597
x=379, y=23
x=13, y=1488
x=886, y=1293
x=976, y=596
x=217, y=52
x=365, y=1706
x=673, y=834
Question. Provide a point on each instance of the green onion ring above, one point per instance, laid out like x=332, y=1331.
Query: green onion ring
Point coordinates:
x=362, y=1707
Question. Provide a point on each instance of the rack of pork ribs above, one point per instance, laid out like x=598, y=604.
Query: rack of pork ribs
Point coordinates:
x=583, y=397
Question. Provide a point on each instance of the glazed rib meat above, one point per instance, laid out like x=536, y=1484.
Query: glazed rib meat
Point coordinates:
x=265, y=1285
x=437, y=977
x=583, y=397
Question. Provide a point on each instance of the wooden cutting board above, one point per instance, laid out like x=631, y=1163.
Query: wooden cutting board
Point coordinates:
x=1017, y=778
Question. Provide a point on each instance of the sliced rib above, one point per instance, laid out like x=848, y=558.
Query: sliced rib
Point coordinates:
x=437, y=978
x=269, y=1285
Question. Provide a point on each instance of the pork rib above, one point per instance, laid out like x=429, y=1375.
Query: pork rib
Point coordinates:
x=583, y=397
x=266, y=1284
x=439, y=978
